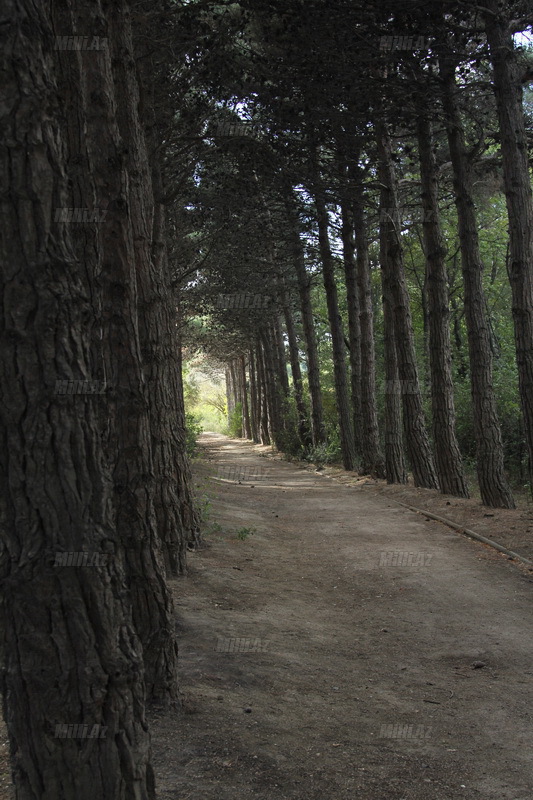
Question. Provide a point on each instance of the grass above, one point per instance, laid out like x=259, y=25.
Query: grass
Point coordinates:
x=244, y=533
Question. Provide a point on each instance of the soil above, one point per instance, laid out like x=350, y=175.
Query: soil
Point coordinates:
x=338, y=646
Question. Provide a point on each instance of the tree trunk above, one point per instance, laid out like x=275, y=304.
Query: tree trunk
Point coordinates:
x=373, y=462
x=516, y=174
x=247, y=430
x=493, y=484
x=229, y=393
x=354, y=324
x=177, y=522
x=115, y=137
x=417, y=440
x=72, y=656
x=255, y=407
x=265, y=423
x=236, y=395
x=304, y=432
x=304, y=289
x=272, y=390
x=395, y=471
x=337, y=335
x=281, y=359
x=447, y=454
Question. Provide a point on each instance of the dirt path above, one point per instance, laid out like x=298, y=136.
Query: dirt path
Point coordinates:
x=330, y=655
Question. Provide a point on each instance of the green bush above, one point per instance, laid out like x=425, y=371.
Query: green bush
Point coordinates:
x=234, y=428
x=289, y=441
x=326, y=453
x=193, y=429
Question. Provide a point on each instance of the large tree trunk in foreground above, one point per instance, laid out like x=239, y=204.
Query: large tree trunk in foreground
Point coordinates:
x=72, y=656
x=447, y=454
x=118, y=162
x=493, y=484
x=373, y=462
x=417, y=440
x=337, y=336
x=517, y=182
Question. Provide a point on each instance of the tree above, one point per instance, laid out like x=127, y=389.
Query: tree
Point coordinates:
x=417, y=440
x=489, y=462
x=509, y=75
x=335, y=322
x=447, y=454
x=57, y=489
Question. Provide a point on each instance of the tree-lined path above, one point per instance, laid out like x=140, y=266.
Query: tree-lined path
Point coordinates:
x=336, y=651
x=309, y=225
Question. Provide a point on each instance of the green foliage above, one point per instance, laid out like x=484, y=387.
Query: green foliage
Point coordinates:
x=193, y=429
x=234, y=427
x=290, y=444
x=327, y=453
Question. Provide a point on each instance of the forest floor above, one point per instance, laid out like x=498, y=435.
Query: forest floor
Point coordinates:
x=335, y=645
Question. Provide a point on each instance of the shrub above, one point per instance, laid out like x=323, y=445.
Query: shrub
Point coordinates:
x=234, y=428
x=193, y=429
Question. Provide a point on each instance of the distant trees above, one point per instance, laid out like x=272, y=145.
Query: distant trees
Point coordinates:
x=372, y=174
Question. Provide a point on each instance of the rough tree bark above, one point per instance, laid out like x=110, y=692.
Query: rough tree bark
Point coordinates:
x=120, y=171
x=395, y=470
x=265, y=424
x=447, y=454
x=255, y=408
x=304, y=289
x=373, y=462
x=280, y=356
x=337, y=335
x=177, y=522
x=272, y=389
x=354, y=323
x=246, y=425
x=417, y=441
x=517, y=183
x=493, y=484
x=72, y=656
x=304, y=431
